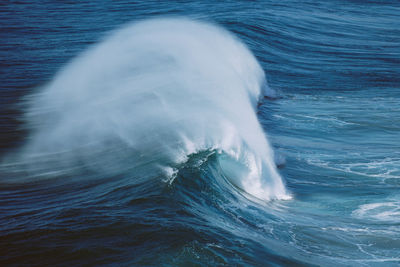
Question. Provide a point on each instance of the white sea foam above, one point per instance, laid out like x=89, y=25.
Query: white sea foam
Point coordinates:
x=382, y=211
x=387, y=168
x=151, y=94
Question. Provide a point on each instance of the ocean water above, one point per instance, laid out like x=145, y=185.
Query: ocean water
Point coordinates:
x=195, y=133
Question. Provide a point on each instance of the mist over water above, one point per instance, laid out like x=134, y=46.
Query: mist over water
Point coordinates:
x=149, y=96
x=146, y=134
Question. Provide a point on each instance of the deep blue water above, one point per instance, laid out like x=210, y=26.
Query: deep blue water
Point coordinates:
x=335, y=124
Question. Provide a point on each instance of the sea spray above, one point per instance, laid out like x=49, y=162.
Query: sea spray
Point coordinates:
x=150, y=95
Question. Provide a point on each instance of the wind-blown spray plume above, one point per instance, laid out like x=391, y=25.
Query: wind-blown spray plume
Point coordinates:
x=149, y=96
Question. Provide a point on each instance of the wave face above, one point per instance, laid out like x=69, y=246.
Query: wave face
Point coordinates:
x=150, y=95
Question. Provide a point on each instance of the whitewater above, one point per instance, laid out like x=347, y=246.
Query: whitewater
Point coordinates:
x=148, y=96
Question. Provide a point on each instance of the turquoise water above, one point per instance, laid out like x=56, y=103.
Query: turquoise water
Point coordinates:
x=342, y=162
x=132, y=138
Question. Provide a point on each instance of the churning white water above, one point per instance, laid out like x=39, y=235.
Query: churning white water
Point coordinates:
x=153, y=93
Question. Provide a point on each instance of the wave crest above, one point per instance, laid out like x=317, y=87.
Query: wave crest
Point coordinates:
x=151, y=94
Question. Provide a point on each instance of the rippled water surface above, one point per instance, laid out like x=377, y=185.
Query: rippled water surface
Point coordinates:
x=100, y=166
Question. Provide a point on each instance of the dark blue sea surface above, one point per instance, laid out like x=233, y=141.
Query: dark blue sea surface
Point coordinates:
x=78, y=188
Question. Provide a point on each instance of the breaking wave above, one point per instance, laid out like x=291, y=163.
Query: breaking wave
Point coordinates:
x=148, y=97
